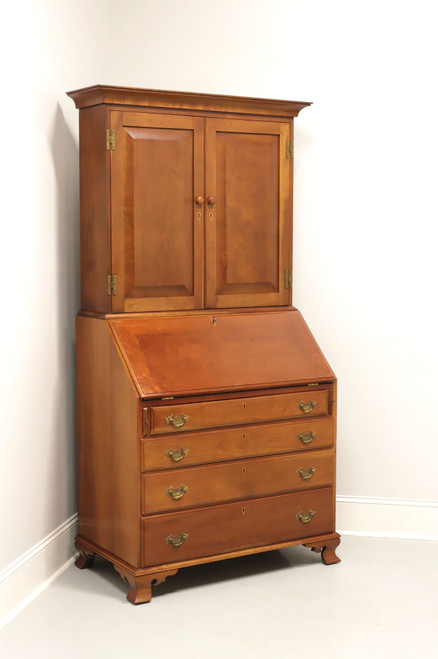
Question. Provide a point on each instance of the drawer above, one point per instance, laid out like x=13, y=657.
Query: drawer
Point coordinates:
x=228, y=481
x=235, y=411
x=190, y=534
x=233, y=443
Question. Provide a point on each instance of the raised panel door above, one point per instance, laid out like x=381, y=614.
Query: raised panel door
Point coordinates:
x=248, y=213
x=157, y=172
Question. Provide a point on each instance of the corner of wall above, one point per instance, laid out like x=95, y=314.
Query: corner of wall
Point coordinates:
x=23, y=580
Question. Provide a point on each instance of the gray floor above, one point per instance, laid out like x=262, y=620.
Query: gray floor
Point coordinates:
x=380, y=601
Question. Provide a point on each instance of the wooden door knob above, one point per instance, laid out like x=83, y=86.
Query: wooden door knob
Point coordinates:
x=211, y=201
x=199, y=200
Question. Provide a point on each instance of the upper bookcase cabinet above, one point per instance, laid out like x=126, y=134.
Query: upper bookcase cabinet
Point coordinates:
x=186, y=200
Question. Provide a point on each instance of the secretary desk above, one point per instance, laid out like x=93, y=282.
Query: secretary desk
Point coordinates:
x=206, y=410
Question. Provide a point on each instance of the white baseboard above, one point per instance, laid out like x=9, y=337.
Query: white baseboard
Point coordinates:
x=30, y=574
x=415, y=519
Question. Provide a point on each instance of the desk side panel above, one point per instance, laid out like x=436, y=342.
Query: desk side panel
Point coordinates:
x=109, y=428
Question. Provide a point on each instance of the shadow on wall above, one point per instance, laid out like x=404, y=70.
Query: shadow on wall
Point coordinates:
x=65, y=155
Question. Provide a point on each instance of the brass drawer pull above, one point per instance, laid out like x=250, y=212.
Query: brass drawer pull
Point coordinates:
x=307, y=407
x=176, y=421
x=306, y=437
x=305, y=517
x=305, y=474
x=176, y=540
x=177, y=492
x=177, y=454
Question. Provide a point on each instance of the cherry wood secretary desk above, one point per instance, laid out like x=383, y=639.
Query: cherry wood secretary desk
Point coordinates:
x=206, y=410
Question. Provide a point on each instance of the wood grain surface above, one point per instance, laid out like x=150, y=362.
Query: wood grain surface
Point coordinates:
x=108, y=430
x=247, y=226
x=157, y=172
x=241, y=479
x=235, y=411
x=200, y=354
x=234, y=526
x=207, y=446
x=152, y=98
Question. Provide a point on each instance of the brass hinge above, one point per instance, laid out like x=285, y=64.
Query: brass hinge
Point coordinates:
x=111, y=285
x=289, y=148
x=111, y=140
x=288, y=279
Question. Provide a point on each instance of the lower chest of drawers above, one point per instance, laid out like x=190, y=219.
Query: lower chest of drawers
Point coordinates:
x=265, y=479
x=202, y=439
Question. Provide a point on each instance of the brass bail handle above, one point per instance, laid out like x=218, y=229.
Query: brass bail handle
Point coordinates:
x=305, y=474
x=176, y=421
x=305, y=518
x=177, y=492
x=306, y=437
x=307, y=407
x=176, y=540
x=177, y=454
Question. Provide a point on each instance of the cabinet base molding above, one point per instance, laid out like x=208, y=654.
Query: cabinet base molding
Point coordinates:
x=140, y=581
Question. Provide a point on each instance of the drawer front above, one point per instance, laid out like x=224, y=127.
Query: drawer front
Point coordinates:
x=173, y=537
x=228, y=481
x=235, y=411
x=234, y=443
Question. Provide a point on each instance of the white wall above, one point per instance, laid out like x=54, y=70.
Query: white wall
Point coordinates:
x=365, y=218
x=47, y=48
x=366, y=205
x=366, y=228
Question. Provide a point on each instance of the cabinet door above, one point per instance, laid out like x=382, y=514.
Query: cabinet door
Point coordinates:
x=157, y=235
x=248, y=219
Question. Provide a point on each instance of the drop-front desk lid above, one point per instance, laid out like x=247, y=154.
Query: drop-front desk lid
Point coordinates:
x=194, y=354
